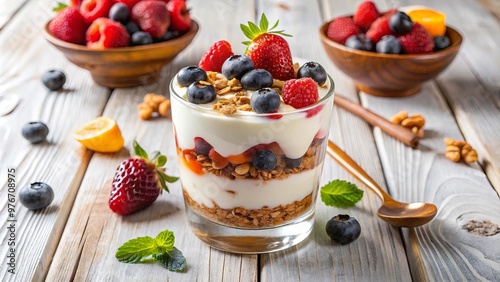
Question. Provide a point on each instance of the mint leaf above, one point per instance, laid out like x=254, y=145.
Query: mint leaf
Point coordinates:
x=165, y=241
x=137, y=250
x=160, y=249
x=173, y=260
x=341, y=194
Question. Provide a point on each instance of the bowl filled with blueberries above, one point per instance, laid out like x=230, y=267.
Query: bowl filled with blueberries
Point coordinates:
x=121, y=43
x=390, y=54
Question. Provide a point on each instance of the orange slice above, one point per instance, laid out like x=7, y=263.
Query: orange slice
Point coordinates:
x=101, y=134
x=433, y=21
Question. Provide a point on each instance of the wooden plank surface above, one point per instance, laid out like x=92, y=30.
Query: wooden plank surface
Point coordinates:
x=320, y=259
x=95, y=233
x=9, y=9
x=24, y=57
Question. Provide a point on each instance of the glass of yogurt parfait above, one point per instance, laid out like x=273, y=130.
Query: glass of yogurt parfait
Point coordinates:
x=250, y=180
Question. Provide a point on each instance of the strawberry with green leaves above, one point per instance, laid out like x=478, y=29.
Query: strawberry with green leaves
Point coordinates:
x=268, y=49
x=138, y=181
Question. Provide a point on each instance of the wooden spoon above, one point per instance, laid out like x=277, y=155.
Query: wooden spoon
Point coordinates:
x=394, y=212
x=395, y=130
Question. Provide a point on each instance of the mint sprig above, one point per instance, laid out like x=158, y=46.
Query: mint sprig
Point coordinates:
x=160, y=249
x=340, y=194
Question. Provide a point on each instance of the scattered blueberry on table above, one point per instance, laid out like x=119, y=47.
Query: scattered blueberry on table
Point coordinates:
x=54, y=79
x=343, y=229
x=35, y=131
x=35, y=196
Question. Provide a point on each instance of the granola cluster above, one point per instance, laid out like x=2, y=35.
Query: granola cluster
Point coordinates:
x=258, y=218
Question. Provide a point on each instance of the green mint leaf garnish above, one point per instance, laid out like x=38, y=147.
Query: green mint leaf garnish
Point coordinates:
x=165, y=241
x=173, y=260
x=160, y=249
x=137, y=250
x=340, y=194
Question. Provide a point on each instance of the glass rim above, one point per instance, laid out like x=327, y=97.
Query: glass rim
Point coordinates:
x=321, y=101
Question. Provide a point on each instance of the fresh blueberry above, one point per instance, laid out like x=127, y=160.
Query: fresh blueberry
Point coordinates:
x=198, y=93
x=132, y=28
x=388, y=44
x=359, y=42
x=264, y=160
x=314, y=71
x=141, y=38
x=190, y=74
x=257, y=79
x=170, y=34
x=441, y=42
x=119, y=12
x=35, y=131
x=265, y=100
x=36, y=196
x=400, y=23
x=236, y=66
x=54, y=79
x=293, y=163
x=343, y=229
x=201, y=146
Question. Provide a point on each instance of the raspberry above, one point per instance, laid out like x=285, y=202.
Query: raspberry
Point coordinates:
x=301, y=92
x=417, y=40
x=94, y=9
x=379, y=28
x=365, y=15
x=342, y=28
x=215, y=56
x=105, y=33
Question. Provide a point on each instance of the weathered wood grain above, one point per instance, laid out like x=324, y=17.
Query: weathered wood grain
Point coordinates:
x=319, y=258
x=95, y=233
x=60, y=162
x=9, y=9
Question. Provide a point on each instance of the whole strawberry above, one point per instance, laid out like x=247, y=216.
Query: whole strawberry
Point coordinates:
x=215, y=56
x=365, y=15
x=180, y=19
x=68, y=25
x=138, y=182
x=300, y=93
x=342, y=28
x=379, y=28
x=152, y=17
x=417, y=41
x=268, y=49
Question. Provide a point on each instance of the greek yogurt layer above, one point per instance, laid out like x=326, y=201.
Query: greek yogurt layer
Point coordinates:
x=211, y=190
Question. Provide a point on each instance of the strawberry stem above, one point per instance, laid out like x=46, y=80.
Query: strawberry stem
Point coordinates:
x=251, y=31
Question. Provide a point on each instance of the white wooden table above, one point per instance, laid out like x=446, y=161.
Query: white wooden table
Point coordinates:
x=76, y=237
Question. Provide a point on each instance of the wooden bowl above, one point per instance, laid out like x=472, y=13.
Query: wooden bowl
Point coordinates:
x=390, y=75
x=124, y=66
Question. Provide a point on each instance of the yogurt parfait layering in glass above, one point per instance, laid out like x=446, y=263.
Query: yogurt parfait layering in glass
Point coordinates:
x=250, y=180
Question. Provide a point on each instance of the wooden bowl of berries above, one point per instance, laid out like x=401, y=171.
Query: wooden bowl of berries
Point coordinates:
x=123, y=43
x=390, y=54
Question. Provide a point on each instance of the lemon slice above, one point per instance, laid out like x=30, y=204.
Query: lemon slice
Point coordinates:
x=433, y=21
x=101, y=134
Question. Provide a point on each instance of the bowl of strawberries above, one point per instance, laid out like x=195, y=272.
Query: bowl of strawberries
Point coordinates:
x=390, y=54
x=123, y=43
